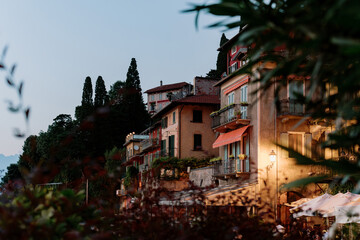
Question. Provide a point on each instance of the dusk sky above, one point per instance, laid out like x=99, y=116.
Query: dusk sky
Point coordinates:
x=56, y=44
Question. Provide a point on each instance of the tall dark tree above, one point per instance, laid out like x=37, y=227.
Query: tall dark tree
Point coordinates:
x=132, y=76
x=220, y=62
x=222, y=57
x=87, y=94
x=87, y=105
x=133, y=100
x=100, y=93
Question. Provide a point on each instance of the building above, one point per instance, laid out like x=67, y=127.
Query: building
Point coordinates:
x=160, y=96
x=186, y=127
x=249, y=127
x=151, y=147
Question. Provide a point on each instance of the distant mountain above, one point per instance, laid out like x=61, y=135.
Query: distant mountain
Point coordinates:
x=5, y=161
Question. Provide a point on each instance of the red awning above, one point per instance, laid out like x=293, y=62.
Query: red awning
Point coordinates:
x=229, y=137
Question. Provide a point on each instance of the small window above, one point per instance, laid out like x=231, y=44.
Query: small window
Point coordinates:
x=174, y=115
x=197, y=142
x=160, y=105
x=197, y=116
x=152, y=97
x=160, y=96
x=233, y=50
x=164, y=122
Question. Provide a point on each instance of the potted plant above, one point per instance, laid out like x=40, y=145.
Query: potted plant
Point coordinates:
x=231, y=157
x=215, y=160
x=242, y=156
x=244, y=103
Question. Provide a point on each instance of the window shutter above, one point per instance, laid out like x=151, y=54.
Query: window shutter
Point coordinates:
x=308, y=138
x=284, y=141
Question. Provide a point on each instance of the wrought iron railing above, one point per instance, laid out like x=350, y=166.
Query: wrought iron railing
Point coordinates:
x=291, y=107
x=229, y=166
x=229, y=114
x=149, y=143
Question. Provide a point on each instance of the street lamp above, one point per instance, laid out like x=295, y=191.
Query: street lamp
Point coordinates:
x=272, y=157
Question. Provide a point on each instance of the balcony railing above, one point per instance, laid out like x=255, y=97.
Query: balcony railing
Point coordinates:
x=149, y=143
x=229, y=114
x=231, y=166
x=291, y=107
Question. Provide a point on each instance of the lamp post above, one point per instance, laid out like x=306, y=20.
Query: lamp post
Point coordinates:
x=272, y=158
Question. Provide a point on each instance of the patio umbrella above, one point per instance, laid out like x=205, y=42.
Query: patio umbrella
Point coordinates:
x=349, y=212
x=340, y=199
x=310, y=207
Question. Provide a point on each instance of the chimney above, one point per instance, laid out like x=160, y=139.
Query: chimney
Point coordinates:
x=160, y=82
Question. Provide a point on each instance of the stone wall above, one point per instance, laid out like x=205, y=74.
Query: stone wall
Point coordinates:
x=201, y=177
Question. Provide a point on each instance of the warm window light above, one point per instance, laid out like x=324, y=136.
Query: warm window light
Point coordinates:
x=272, y=156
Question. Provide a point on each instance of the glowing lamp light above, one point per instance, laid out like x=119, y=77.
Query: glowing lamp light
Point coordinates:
x=272, y=156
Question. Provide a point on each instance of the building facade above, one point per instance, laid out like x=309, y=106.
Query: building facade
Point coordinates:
x=159, y=97
x=250, y=129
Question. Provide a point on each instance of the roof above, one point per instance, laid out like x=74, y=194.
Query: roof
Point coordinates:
x=194, y=99
x=232, y=40
x=204, y=99
x=167, y=87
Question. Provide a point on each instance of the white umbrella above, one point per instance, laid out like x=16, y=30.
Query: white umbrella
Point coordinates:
x=348, y=213
x=340, y=199
x=310, y=207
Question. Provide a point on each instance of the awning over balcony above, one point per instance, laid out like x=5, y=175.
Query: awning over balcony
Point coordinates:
x=229, y=137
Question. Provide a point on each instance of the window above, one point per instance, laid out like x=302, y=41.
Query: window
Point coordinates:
x=172, y=145
x=296, y=88
x=163, y=147
x=197, y=116
x=233, y=67
x=164, y=122
x=231, y=97
x=244, y=99
x=152, y=106
x=160, y=105
x=160, y=96
x=152, y=97
x=233, y=50
x=197, y=141
x=173, y=116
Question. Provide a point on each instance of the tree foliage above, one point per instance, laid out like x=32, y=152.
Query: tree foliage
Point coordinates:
x=12, y=174
x=101, y=97
x=221, y=62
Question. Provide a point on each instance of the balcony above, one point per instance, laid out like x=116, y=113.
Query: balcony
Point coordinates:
x=232, y=168
x=292, y=109
x=150, y=144
x=230, y=117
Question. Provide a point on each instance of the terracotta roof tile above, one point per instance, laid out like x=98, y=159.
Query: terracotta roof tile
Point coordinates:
x=205, y=99
x=195, y=99
x=167, y=87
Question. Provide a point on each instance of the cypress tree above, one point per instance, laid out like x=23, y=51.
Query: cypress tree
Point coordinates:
x=87, y=93
x=132, y=76
x=222, y=58
x=220, y=62
x=100, y=93
x=86, y=108
x=133, y=100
